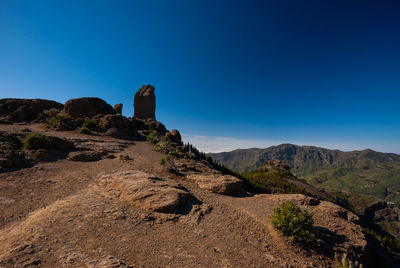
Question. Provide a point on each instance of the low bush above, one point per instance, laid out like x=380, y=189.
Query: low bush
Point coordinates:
x=153, y=137
x=173, y=154
x=36, y=141
x=296, y=224
x=85, y=130
x=55, y=120
x=89, y=124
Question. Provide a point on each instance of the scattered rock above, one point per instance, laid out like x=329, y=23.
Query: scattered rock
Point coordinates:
x=85, y=156
x=145, y=190
x=217, y=183
x=86, y=107
x=145, y=103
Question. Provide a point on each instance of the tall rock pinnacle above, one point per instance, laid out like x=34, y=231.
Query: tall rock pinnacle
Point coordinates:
x=145, y=103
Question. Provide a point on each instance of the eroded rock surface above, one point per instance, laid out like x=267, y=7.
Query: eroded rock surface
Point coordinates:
x=217, y=183
x=147, y=191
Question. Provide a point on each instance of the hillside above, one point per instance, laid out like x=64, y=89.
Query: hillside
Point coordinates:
x=365, y=172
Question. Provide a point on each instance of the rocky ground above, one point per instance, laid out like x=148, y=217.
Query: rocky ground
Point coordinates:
x=110, y=203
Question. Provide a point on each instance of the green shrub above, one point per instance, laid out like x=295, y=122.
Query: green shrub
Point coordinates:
x=54, y=121
x=296, y=224
x=162, y=161
x=89, y=124
x=161, y=147
x=35, y=141
x=167, y=137
x=153, y=137
x=85, y=130
x=173, y=154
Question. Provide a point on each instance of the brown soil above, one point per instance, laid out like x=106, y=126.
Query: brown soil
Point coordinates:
x=59, y=214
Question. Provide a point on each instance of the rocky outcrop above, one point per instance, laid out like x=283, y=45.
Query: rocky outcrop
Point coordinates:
x=176, y=137
x=118, y=126
x=87, y=107
x=145, y=103
x=217, y=183
x=10, y=154
x=25, y=110
x=146, y=191
x=118, y=108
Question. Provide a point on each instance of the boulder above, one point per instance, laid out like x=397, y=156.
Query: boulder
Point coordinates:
x=145, y=103
x=11, y=155
x=118, y=108
x=176, y=137
x=87, y=107
x=217, y=183
x=25, y=110
x=145, y=190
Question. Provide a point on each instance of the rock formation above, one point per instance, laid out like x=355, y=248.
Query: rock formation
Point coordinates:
x=145, y=103
x=85, y=107
x=118, y=108
x=216, y=183
x=24, y=110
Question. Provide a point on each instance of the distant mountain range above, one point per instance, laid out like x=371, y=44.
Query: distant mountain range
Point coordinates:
x=366, y=171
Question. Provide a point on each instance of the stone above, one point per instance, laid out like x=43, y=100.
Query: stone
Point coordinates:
x=85, y=156
x=145, y=190
x=118, y=108
x=176, y=137
x=217, y=183
x=145, y=103
x=25, y=110
x=87, y=107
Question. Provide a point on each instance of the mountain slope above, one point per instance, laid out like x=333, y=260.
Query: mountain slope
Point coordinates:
x=366, y=171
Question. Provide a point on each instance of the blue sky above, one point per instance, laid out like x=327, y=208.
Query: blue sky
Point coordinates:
x=228, y=74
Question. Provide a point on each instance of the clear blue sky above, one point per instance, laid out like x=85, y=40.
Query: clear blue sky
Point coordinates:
x=228, y=74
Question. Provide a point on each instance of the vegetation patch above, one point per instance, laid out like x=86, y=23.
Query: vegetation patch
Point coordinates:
x=154, y=137
x=292, y=222
x=85, y=130
x=89, y=124
x=273, y=181
x=36, y=141
x=56, y=120
x=390, y=243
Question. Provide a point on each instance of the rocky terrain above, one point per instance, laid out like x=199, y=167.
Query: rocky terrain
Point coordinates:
x=97, y=194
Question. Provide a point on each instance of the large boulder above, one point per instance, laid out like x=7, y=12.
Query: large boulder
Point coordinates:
x=87, y=107
x=25, y=110
x=145, y=190
x=145, y=103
